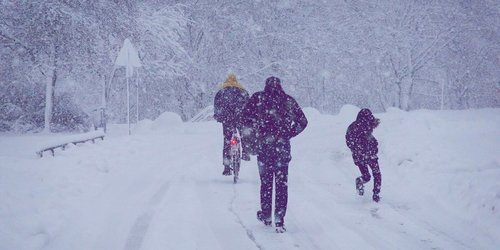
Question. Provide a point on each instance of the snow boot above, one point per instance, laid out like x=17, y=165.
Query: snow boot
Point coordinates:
x=261, y=218
x=359, y=186
x=376, y=198
x=280, y=228
x=227, y=170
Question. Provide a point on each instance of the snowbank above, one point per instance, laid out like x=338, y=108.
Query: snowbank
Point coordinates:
x=311, y=113
x=167, y=122
x=168, y=119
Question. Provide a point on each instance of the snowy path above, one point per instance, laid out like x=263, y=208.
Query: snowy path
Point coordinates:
x=164, y=190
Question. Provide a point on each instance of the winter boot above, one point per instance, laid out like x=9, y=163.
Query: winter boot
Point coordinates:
x=359, y=186
x=376, y=198
x=227, y=170
x=260, y=217
x=280, y=227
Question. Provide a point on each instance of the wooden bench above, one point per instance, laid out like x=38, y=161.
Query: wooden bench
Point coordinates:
x=64, y=145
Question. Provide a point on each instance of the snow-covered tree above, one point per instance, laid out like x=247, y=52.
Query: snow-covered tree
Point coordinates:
x=408, y=54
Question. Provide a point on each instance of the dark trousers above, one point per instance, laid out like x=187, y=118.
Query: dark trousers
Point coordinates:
x=363, y=165
x=228, y=130
x=278, y=172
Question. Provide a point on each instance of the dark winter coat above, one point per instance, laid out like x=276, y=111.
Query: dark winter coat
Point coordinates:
x=229, y=102
x=275, y=118
x=359, y=136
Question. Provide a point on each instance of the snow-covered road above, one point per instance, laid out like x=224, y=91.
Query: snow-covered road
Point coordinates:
x=162, y=188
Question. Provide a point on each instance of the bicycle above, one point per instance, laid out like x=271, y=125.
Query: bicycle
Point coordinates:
x=235, y=155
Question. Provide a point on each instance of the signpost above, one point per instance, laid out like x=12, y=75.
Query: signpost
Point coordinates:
x=129, y=59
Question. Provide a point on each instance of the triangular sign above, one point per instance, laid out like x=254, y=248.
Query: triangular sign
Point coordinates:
x=128, y=57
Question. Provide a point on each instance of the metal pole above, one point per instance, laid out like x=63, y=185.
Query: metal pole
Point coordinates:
x=128, y=90
x=137, y=96
x=442, y=95
x=128, y=107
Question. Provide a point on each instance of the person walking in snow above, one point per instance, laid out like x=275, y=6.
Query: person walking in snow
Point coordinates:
x=275, y=118
x=228, y=105
x=364, y=148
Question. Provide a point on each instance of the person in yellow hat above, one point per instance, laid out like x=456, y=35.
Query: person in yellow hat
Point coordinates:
x=228, y=105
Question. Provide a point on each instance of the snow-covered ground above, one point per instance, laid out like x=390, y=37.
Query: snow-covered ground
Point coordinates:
x=162, y=188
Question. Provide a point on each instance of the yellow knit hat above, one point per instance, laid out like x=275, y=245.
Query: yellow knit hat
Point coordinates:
x=231, y=81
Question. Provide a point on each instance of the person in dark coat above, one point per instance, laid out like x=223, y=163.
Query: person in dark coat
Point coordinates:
x=228, y=105
x=364, y=148
x=275, y=118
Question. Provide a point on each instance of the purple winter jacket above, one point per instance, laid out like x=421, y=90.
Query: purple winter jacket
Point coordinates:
x=276, y=117
x=359, y=136
x=228, y=105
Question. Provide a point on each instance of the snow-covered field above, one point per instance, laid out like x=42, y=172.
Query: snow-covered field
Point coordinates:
x=162, y=188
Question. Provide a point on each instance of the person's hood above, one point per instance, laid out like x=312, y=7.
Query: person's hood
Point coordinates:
x=231, y=82
x=273, y=85
x=365, y=116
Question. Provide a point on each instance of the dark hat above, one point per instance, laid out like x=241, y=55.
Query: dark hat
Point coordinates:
x=273, y=84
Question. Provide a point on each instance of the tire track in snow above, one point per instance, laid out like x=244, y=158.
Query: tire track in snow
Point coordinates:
x=141, y=225
x=136, y=235
x=305, y=237
x=289, y=238
x=220, y=215
x=350, y=228
x=249, y=232
x=138, y=231
x=429, y=227
x=414, y=225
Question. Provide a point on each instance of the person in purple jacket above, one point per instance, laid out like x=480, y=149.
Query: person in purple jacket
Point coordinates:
x=275, y=118
x=364, y=148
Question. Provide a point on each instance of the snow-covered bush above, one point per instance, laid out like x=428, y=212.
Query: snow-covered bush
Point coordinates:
x=8, y=114
x=29, y=122
x=67, y=116
x=19, y=117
